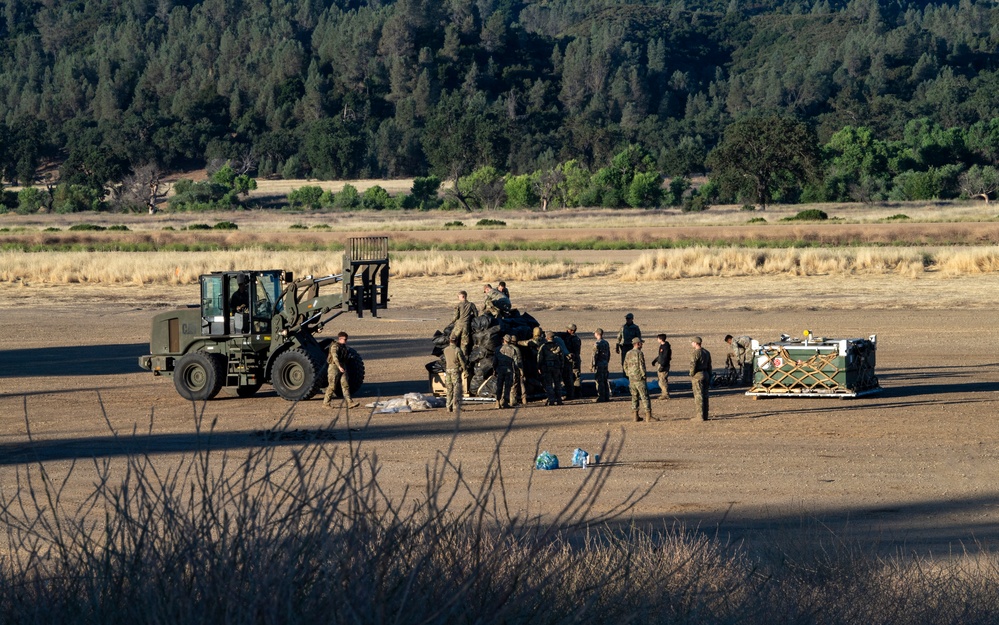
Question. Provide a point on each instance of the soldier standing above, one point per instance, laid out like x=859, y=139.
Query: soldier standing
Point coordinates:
x=534, y=344
x=461, y=329
x=454, y=363
x=599, y=365
x=634, y=368
x=700, y=378
x=628, y=333
x=336, y=372
x=573, y=343
x=662, y=362
x=507, y=361
x=550, y=361
x=741, y=357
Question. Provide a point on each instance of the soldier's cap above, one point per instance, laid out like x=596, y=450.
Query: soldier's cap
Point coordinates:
x=629, y=316
x=636, y=341
x=549, y=334
x=697, y=340
x=571, y=326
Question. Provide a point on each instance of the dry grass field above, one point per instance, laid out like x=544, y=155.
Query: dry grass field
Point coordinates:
x=774, y=510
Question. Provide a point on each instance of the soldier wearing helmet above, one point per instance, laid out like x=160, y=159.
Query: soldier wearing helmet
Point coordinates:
x=507, y=361
x=575, y=346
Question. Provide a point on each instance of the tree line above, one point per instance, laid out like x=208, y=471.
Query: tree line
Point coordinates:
x=883, y=99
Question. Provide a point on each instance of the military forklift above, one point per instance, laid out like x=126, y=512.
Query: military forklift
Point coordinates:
x=259, y=326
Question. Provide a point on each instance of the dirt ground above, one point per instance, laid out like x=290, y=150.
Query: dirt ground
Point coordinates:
x=912, y=468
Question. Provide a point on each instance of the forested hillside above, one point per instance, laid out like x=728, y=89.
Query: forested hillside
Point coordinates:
x=369, y=88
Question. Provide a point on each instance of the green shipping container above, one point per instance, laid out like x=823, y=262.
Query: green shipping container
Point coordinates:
x=815, y=367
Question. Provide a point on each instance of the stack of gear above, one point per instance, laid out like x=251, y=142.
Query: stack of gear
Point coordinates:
x=487, y=336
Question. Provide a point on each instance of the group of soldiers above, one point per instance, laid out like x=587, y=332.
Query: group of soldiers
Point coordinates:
x=559, y=362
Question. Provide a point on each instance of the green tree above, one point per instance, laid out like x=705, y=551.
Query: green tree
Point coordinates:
x=334, y=149
x=460, y=136
x=980, y=181
x=761, y=153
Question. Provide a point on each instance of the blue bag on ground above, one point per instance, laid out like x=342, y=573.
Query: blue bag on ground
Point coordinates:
x=580, y=458
x=546, y=461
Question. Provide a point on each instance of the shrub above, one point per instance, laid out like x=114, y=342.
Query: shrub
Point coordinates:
x=348, y=198
x=490, y=223
x=321, y=227
x=168, y=228
x=198, y=227
x=520, y=191
x=376, y=198
x=748, y=207
x=757, y=220
x=454, y=224
x=119, y=228
x=645, y=190
x=812, y=214
x=75, y=198
x=424, y=194
x=678, y=188
x=695, y=203
x=308, y=196
x=298, y=227
x=52, y=229
x=898, y=217
x=87, y=227
x=31, y=200
x=225, y=225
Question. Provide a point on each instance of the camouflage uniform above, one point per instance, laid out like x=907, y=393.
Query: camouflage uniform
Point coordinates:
x=496, y=303
x=454, y=363
x=507, y=361
x=336, y=360
x=550, y=361
x=574, y=345
x=700, y=379
x=464, y=312
x=566, y=365
x=662, y=362
x=628, y=333
x=599, y=364
x=634, y=368
x=742, y=358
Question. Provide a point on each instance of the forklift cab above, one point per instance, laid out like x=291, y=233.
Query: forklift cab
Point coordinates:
x=239, y=302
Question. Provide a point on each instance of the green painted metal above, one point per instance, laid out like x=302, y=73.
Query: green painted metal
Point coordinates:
x=815, y=367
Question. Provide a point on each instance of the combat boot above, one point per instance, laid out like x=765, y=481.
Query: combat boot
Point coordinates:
x=637, y=418
x=650, y=418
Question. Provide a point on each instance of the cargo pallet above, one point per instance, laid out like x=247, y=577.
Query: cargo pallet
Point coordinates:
x=815, y=367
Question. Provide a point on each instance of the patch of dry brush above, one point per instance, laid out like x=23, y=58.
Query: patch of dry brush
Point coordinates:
x=311, y=536
x=143, y=268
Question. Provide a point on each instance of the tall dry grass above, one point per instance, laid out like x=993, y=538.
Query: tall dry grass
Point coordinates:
x=309, y=535
x=140, y=268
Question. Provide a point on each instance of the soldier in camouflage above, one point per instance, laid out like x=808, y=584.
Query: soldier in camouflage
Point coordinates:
x=700, y=378
x=634, y=368
x=741, y=357
x=336, y=372
x=454, y=363
x=625, y=337
x=461, y=329
x=507, y=361
x=575, y=346
x=599, y=365
x=550, y=359
x=496, y=303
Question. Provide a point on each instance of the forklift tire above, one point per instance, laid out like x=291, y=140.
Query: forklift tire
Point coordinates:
x=247, y=391
x=355, y=373
x=295, y=375
x=199, y=376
